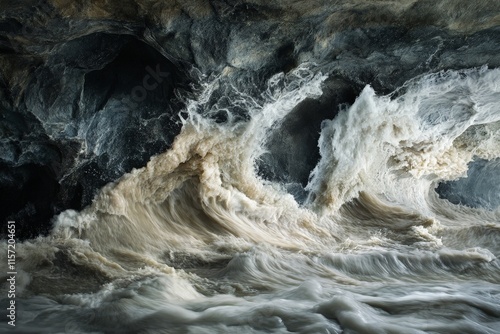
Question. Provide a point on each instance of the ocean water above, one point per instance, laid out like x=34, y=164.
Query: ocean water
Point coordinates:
x=198, y=242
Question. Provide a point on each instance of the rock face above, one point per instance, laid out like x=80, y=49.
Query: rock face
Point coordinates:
x=90, y=89
x=478, y=189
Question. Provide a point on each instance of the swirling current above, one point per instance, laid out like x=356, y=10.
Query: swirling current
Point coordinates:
x=396, y=231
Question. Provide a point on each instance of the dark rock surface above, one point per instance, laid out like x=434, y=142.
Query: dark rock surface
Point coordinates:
x=480, y=189
x=88, y=88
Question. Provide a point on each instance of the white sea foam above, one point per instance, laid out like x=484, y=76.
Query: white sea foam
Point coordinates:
x=196, y=242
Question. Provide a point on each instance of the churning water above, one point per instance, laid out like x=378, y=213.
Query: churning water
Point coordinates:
x=198, y=242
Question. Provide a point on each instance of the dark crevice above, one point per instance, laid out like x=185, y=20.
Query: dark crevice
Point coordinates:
x=27, y=197
x=293, y=146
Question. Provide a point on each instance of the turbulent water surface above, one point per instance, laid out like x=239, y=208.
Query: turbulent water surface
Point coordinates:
x=397, y=230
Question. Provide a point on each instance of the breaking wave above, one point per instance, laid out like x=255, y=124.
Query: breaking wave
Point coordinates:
x=390, y=238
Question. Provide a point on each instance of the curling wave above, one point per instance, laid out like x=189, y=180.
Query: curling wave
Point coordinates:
x=197, y=242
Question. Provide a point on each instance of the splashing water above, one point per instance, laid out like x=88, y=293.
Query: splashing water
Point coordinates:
x=197, y=242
